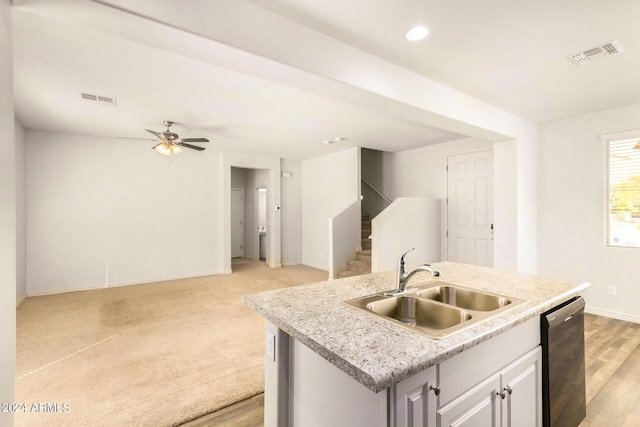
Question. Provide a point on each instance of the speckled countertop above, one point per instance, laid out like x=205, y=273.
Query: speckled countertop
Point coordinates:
x=379, y=354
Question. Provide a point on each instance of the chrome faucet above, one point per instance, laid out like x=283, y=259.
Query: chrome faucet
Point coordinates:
x=404, y=276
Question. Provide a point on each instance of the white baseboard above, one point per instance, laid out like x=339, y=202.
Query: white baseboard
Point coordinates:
x=117, y=285
x=613, y=314
x=20, y=300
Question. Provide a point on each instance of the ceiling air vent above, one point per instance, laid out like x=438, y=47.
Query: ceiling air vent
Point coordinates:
x=609, y=48
x=104, y=100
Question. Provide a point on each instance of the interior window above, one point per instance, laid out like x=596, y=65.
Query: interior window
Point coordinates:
x=623, y=192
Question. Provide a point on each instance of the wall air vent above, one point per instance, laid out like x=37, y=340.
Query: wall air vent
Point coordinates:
x=104, y=100
x=606, y=49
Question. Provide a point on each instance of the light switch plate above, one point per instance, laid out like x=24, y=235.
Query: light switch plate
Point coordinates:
x=270, y=342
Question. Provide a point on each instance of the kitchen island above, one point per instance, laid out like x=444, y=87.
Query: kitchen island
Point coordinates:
x=327, y=363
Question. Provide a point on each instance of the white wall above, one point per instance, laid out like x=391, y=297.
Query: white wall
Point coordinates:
x=7, y=218
x=505, y=212
x=329, y=184
x=345, y=237
x=422, y=172
x=21, y=215
x=371, y=169
x=409, y=222
x=104, y=212
x=572, y=206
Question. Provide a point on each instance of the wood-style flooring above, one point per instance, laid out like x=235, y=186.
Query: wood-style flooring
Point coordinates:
x=612, y=365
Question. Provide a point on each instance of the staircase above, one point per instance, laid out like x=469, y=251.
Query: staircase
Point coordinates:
x=361, y=264
x=365, y=226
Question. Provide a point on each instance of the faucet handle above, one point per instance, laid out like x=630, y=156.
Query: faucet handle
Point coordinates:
x=403, y=255
x=401, y=262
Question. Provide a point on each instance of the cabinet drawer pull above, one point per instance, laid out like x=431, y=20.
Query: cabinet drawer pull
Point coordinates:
x=436, y=390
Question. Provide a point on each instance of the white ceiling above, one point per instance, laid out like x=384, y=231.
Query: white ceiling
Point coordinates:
x=245, y=74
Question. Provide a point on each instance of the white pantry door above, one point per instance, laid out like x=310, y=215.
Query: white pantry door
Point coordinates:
x=470, y=208
x=237, y=222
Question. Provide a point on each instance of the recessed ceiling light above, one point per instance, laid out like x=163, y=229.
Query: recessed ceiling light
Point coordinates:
x=416, y=33
x=336, y=139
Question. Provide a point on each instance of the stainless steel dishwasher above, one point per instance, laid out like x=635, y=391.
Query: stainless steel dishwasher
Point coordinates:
x=563, y=382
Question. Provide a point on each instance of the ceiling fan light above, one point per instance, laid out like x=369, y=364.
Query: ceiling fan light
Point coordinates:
x=163, y=149
x=176, y=150
x=416, y=34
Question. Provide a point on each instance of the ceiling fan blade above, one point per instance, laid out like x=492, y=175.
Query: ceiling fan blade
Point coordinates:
x=194, y=147
x=194, y=140
x=159, y=135
x=130, y=137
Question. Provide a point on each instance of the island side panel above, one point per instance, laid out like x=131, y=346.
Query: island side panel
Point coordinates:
x=322, y=395
x=276, y=377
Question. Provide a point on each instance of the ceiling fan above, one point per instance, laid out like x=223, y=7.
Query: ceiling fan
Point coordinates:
x=171, y=144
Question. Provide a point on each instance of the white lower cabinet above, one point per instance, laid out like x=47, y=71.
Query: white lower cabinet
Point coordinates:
x=495, y=384
x=415, y=400
x=509, y=398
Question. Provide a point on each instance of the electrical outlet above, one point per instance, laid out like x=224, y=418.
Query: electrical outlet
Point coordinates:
x=611, y=290
x=270, y=346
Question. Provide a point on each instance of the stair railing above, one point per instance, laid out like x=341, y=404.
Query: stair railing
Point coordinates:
x=376, y=190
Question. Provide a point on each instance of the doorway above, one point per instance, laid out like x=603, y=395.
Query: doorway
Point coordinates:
x=469, y=234
x=249, y=215
x=236, y=167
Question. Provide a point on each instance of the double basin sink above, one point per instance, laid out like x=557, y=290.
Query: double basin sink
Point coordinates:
x=436, y=309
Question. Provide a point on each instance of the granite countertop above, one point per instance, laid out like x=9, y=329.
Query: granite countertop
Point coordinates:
x=379, y=354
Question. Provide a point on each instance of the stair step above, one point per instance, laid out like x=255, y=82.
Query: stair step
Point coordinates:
x=359, y=266
x=366, y=244
x=364, y=255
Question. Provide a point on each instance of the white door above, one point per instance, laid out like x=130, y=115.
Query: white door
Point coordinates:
x=237, y=222
x=470, y=208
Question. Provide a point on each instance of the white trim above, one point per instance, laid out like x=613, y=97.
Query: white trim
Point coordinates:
x=608, y=140
x=117, y=285
x=20, y=300
x=620, y=136
x=612, y=314
x=242, y=243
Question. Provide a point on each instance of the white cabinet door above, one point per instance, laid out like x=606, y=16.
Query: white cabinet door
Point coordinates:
x=509, y=398
x=522, y=391
x=479, y=406
x=415, y=400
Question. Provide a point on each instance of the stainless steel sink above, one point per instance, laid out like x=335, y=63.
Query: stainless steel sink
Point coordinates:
x=436, y=309
x=465, y=298
x=419, y=312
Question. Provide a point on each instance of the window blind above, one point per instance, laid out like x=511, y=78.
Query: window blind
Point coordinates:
x=623, y=192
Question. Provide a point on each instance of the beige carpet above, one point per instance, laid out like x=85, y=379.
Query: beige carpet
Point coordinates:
x=155, y=354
